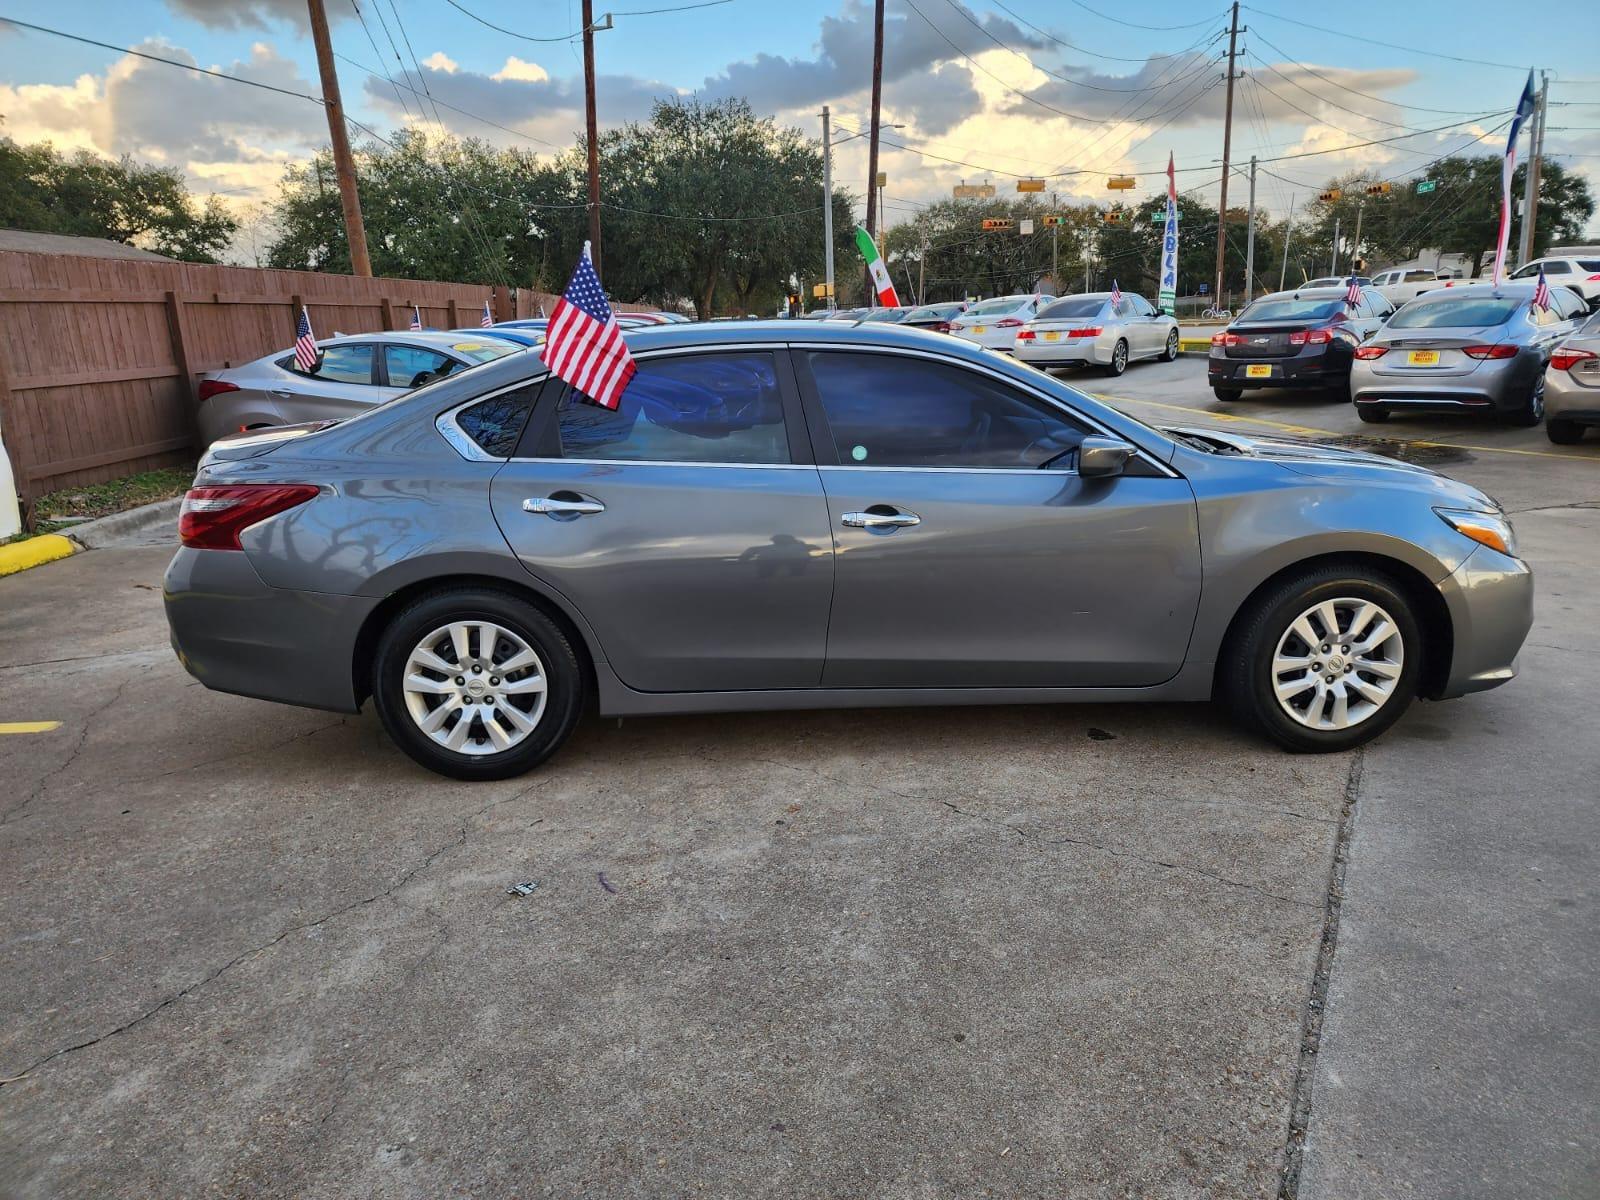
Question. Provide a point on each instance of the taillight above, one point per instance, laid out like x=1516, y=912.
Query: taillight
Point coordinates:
x=1594, y=279
x=1366, y=353
x=1007, y=323
x=1025, y=335
x=1089, y=331
x=1311, y=337
x=1565, y=360
x=1503, y=350
x=215, y=387
x=1221, y=339
x=942, y=326
x=213, y=516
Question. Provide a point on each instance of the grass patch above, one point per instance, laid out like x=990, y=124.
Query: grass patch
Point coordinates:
x=114, y=496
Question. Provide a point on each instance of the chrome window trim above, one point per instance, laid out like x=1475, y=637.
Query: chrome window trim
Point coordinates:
x=459, y=439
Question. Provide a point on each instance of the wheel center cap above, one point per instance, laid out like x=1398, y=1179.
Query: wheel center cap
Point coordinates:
x=1336, y=663
x=477, y=687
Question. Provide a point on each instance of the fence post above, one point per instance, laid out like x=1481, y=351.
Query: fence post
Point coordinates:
x=11, y=428
x=455, y=315
x=387, y=306
x=179, y=330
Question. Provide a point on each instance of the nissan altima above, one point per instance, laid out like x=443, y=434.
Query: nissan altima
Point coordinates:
x=783, y=515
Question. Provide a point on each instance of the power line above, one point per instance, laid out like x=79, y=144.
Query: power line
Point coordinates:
x=373, y=42
x=1447, y=112
x=1048, y=36
x=1296, y=21
x=1136, y=25
x=566, y=37
x=446, y=104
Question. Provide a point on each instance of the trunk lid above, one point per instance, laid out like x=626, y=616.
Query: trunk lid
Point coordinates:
x=237, y=446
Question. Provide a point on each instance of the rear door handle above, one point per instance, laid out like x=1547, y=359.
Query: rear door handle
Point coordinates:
x=886, y=518
x=550, y=506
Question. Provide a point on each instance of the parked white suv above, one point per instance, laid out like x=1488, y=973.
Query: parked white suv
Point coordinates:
x=1407, y=283
x=994, y=323
x=1582, y=275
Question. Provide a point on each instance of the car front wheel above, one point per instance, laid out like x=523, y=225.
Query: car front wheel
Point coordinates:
x=476, y=684
x=1324, y=662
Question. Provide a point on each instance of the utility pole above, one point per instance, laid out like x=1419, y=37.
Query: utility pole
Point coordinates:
x=827, y=209
x=1532, y=172
x=1288, y=227
x=1355, y=246
x=877, y=104
x=1227, y=150
x=355, y=231
x=1055, y=242
x=593, y=133
x=1250, y=238
x=1334, y=269
x=922, y=265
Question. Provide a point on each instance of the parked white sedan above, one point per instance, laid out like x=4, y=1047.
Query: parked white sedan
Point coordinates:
x=994, y=323
x=1086, y=330
x=1400, y=284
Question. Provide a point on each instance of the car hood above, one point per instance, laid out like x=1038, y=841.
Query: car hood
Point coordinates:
x=1341, y=465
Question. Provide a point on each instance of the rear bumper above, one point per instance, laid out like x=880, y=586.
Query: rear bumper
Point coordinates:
x=1569, y=400
x=1485, y=389
x=1067, y=353
x=1306, y=371
x=1490, y=598
x=235, y=634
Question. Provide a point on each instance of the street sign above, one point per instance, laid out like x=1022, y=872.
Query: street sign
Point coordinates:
x=1025, y=227
x=1425, y=186
x=1121, y=183
x=997, y=223
x=1203, y=288
x=1159, y=217
x=973, y=191
x=820, y=290
x=1030, y=185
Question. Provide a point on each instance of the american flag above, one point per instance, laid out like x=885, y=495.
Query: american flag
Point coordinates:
x=1508, y=165
x=1116, y=297
x=1541, y=292
x=583, y=344
x=305, y=342
x=1352, y=292
x=488, y=317
x=416, y=317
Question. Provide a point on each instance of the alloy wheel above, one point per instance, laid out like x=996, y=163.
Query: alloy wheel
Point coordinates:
x=1337, y=663
x=475, y=687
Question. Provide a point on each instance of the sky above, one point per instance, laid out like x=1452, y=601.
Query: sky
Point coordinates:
x=983, y=90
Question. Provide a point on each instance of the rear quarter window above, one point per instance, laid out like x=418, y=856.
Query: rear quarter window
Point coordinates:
x=495, y=424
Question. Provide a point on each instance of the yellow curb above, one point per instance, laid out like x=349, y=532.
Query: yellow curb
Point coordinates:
x=47, y=547
x=29, y=726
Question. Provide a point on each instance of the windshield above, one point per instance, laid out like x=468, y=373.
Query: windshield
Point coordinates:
x=1075, y=306
x=933, y=312
x=884, y=314
x=989, y=308
x=1287, y=308
x=1455, y=312
x=484, y=351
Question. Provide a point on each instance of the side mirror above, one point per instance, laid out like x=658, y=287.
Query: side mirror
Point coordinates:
x=1101, y=457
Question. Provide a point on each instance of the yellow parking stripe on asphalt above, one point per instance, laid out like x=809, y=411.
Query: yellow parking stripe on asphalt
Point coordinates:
x=29, y=726
x=1313, y=431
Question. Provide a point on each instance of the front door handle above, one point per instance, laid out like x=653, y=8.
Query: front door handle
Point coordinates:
x=280, y=393
x=880, y=516
x=552, y=506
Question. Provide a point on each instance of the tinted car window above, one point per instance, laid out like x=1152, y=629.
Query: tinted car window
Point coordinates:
x=886, y=410
x=1289, y=309
x=1072, y=308
x=995, y=308
x=1141, y=306
x=412, y=366
x=934, y=312
x=723, y=408
x=496, y=423
x=345, y=363
x=1449, y=311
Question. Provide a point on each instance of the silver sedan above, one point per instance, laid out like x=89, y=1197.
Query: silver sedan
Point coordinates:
x=1478, y=348
x=352, y=374
x=1087, y=330
x=1572, y=386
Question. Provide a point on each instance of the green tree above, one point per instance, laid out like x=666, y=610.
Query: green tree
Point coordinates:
x=89, y=196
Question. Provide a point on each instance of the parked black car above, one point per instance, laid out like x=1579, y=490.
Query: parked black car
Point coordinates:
x=1302, y=339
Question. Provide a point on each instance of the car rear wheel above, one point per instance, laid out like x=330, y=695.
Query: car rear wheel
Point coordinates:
x=1119, y=358
x=476, y=684
x=1563, y=432
x=1170, y=354
x=1531, y=411
x=1372, y=414
x=1324, y=662
x=1226, y=394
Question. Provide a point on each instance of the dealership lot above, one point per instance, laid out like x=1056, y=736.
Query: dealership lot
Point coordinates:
x=252, y=949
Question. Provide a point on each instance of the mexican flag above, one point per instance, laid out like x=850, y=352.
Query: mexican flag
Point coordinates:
x=880, y=273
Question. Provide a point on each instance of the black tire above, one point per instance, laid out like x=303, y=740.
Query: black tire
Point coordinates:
x=1563, y=432
x=1372, y=414
x=1170, y=353
x=1245, y=676
x=1531, y=411
x=1226, y=394
x=564, y=680
x=1119, y=359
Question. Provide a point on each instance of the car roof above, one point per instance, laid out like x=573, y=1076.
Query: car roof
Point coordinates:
x=1518, y=290
x=1304, y=293
x=1085, y=296
x=443, y=339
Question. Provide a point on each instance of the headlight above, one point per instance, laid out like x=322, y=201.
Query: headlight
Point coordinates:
x=1484, y=528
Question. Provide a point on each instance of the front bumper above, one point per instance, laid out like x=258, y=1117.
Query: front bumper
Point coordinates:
x=1490, y=598
x=235, y=634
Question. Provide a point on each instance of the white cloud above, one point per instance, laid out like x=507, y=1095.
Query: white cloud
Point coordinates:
x=515, y=68
x=440, y=61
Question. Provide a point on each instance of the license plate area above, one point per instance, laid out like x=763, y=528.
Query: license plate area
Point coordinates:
x=1258, y=371
x=1052, y=337
x=1422, y=358
x=980, y=329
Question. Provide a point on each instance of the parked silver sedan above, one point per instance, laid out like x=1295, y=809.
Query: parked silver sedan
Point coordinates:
x=785, y=515
x=1478, y=348
x=1572, y=386
x=1086, y=330
x=352, y=374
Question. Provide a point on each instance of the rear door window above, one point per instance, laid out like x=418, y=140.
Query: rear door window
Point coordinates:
x=713, y=408
x=888, y=410
x=412, y=366
x=347, y=362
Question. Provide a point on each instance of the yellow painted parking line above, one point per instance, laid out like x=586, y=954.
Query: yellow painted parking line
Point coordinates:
x=32, y=552
x=29, y=726
x=1314, y=431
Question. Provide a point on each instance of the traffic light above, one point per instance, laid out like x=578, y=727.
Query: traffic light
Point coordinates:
x=1330, y=196
x=1112, y=217
x=1380, y=189
x=992, y=223
x=1054, y=220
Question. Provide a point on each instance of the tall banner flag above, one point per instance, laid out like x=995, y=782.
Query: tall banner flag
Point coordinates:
x=881, y=282
x=583, y=344
x=1167, y=294
x=1509, y=165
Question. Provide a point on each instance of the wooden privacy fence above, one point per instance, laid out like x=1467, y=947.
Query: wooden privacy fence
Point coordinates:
x=99, y=356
